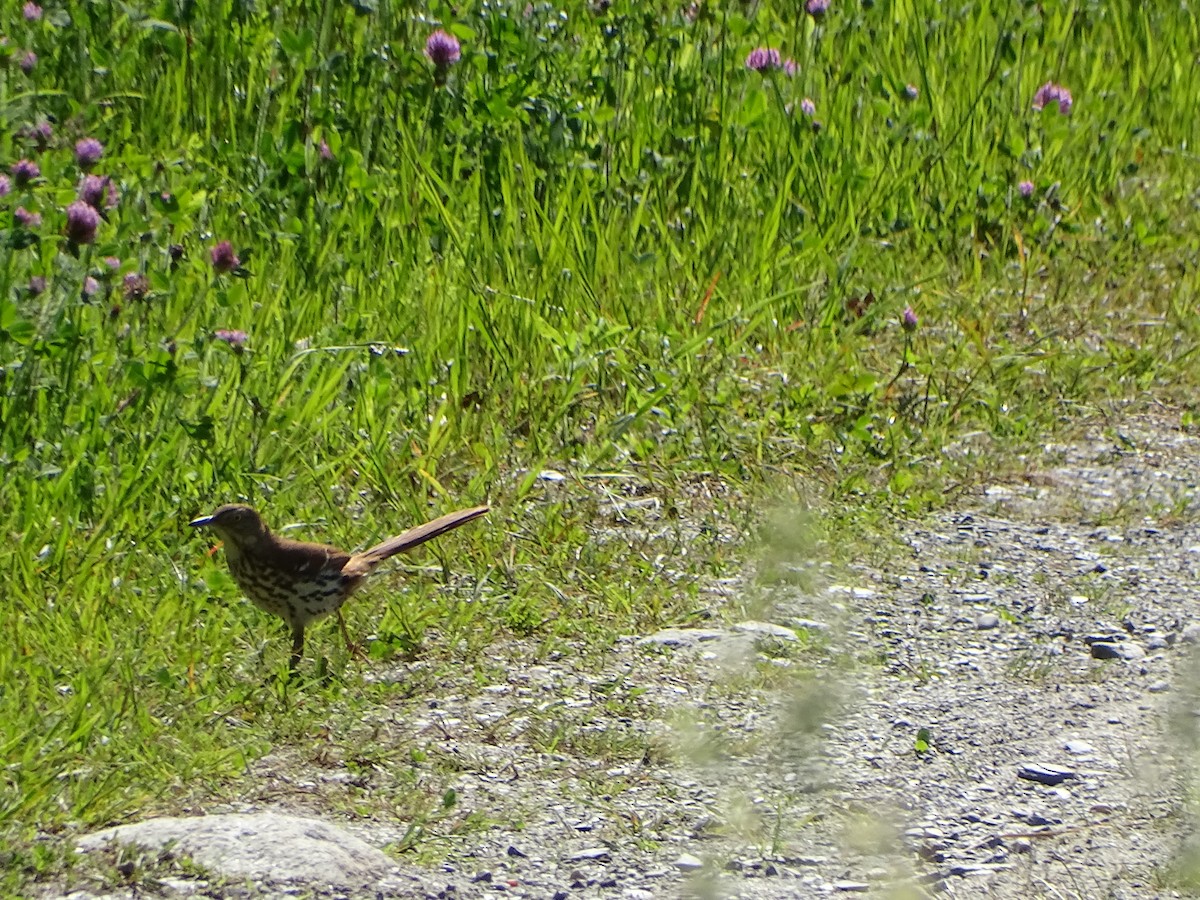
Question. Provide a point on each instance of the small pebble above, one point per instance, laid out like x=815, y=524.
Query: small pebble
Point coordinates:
x=1107, y=650
x=1044, y=774
x=591, y=853
x=964, y=869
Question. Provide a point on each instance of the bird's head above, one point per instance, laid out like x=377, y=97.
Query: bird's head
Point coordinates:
x=236, y=524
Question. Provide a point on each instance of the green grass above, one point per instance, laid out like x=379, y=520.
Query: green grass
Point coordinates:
x=597, y=245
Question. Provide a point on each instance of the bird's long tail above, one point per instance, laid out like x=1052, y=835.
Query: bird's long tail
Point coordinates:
x=414, y=537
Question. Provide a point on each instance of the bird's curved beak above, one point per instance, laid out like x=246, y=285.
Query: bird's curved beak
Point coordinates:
x=201, y=522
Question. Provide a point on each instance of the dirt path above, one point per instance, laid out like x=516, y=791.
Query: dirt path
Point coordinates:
x=792, y=765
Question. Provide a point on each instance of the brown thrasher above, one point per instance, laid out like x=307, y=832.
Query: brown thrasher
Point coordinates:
x=302, y=582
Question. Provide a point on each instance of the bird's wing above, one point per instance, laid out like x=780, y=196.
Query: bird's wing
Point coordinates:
x=309, y=559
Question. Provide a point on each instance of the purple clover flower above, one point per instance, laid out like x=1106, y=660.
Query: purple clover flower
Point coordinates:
x=816, y=8
x=5, y=186
x=235, y=339
x=25, y=171
x=31, y=11
x=1025, y=189
x=808, y=107
x=911, y=92
x=88, y=152
x=909, y=321
x=763, y=59
x=1050, y=93
x=82, y=222
x=91, y=191
x=443, y=49
x=40, y=134
x=25, y=218
x=37, y=285
x=223, y=258
x=324, y=152
x=135, y=286
x=91, y=287
x=99, y=191
x=789, y=67
x=28, y=62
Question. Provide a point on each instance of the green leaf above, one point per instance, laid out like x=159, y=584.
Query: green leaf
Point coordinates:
x=158, y=25
x=202, y=430
x=753, y=109
x=921, y=744
x=603, y=114
x=295, y=43
x=1015, y=146
x=13, y=327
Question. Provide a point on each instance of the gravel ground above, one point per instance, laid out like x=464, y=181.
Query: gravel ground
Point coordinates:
x=1004, y=709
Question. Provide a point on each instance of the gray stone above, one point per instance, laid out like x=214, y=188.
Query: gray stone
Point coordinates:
x=591, y=853
x=1123, y=650
x=1105, y=650
x=183, y=885
x=987, y=621
x=765, y=629
x=1131, y=650
x=688, y=863
x=809, y=624
x=1044, y=774
x=262, y=846
x=682, y=637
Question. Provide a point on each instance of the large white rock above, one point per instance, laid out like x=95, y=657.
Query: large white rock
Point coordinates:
x=261, y=846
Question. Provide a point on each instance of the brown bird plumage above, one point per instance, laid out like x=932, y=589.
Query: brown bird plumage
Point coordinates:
x=301, y=582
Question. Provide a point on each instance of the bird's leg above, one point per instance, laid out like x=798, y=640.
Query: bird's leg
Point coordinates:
x=297, y=647
x=352, y=648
